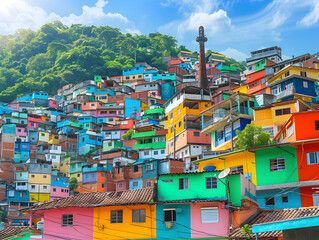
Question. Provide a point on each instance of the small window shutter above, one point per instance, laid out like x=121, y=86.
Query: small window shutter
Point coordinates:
x=209, y=215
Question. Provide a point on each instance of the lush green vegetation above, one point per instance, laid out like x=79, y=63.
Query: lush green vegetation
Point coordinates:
x=56, y=55
x=252, y=136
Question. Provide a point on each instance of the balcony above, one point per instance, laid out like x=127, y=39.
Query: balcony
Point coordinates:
x=149, y=145
x=192, y=125
x=143, y=134
x=285, y=93
x=22, y=187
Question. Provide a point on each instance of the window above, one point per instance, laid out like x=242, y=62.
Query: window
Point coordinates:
x=138, y=215
x=290, y=130
x=209, y=215
x=148, y=184
x=45, y=187
x=155, y=140
x=183, y=183
x=316, y=124
x=196, y=134
x=283, y=111
x=284, y=199
x=102, y=174
x=54, y=189
x=119, y=170
x=78, y=175
x=146, y=153
x=169, y=215
x=155, y=152
x=305, y=84
x=32, y=176
x=67, y=220
x=135, y=184
x=103, y=185
x=162, y=151
x=44, y=176
x=121, y=185
x=211, y=182
x=19, y=130
x=180, y=124
x=171, y=116
x=287, y=74
x=303, y=74
x=149, y=167
x=135, y=168
x=277, y=164
x=237, y=169
x=312, y=158
x=269, y=201
x=117, y=216
x=178, y=111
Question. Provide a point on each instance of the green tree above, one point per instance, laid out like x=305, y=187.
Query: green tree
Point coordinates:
x=246, y=231
x=252, y=136
x=73, y=183
x=128, y=134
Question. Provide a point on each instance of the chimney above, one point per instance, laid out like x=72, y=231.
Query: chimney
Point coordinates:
x=201, y=39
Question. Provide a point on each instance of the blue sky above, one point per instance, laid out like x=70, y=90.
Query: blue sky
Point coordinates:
x=233, y=27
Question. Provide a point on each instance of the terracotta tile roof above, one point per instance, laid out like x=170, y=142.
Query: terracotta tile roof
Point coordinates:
x=266, y=216
x=12, y=231
x=97, y=199
x=285, y=215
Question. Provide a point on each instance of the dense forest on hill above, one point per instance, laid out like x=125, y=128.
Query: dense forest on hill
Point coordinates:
x=56, y=55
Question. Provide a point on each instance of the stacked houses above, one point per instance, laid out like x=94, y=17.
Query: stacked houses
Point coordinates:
x=150, y=155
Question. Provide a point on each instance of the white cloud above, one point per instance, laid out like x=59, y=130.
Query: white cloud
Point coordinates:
x=133, y=31
x=16, y=14
x=312, y=17
x=234, y=53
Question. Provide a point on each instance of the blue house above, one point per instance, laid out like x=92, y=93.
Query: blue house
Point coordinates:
x=133, y=71
x=21, y=151
x=132, y=108
x=88, y=140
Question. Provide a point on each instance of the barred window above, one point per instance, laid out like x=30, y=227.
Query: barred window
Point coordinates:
x=138, y=215
x=277, y=164
x=117, y=216
x=237, y=169
x=67, y=220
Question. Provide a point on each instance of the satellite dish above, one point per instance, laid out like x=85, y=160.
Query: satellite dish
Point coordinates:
x=224, y=173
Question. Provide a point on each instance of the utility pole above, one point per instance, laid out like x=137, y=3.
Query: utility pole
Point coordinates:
x=231, y=125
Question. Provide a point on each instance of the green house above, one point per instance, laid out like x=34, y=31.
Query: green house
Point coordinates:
x=205, y=186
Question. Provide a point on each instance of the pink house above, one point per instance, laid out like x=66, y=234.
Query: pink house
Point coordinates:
x=219, y=228
x=59, y=192
x=14, y=106
x=57, y=223
x=21, y=132
x=33, y=121
x=53, y=103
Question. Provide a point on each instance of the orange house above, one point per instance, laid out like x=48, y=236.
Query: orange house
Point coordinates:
x=300, y=126
x=88, y=106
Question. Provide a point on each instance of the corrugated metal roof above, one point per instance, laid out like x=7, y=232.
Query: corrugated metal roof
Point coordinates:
x=97, y=199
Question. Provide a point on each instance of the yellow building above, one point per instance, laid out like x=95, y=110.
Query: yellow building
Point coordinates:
x=242, y=161
x=272, y=117
x=242, y=89
x=183, y=117
x=297, y=71
x=54, y=139
x=39, y=197
x=132, y=78
x=39, y=178
x=133, y=222
x=65, y=166
x=44, y=136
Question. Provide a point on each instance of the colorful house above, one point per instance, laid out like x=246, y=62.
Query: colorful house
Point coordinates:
x=222, y=120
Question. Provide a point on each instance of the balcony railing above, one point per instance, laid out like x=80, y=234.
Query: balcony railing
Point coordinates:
x=22, y=188
x=285, y=93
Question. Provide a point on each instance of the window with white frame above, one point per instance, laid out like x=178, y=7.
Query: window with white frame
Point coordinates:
x=305, y=84
x=169, y=215
x=149, y=167
x=146, y=153
x=237, y=169
x=209, y=215
x=290, y=130
x=277, y=164
x=312, y=158
x=183, y=183
x=67, y=220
